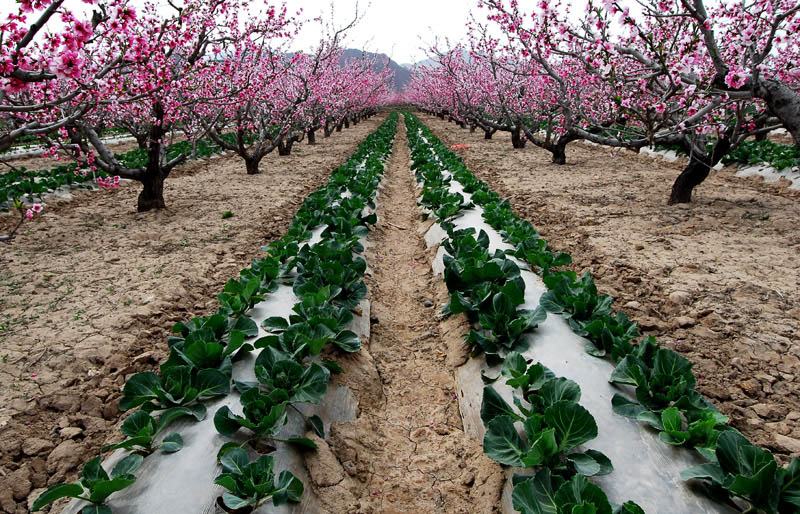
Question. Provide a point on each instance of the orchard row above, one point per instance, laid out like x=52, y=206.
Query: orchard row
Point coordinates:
x=675, y=73
x=220, y=70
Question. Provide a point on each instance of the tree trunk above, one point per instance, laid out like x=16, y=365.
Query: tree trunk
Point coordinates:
x=488, y=133
x=346, y=122
x=783, y=102
x=472, y=128
x=152, y=195
x=285, y=146
x=251, y=164
x=559, y=154
x=692, y=176
x=141, y=140
x=517, y=141
x=339, y=127
x=697, y=171
x=312, y=136
x=559, y=150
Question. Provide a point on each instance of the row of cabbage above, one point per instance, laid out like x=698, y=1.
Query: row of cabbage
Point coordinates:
x=319, y=258
x=736, y=472
x=487, y=287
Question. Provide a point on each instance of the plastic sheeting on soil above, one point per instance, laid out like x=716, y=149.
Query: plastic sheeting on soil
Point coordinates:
x=645, y=470
x=183, y=482
x=770, y=174
x=765, y=171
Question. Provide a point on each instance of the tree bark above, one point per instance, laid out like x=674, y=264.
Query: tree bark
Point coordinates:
x=152, y=194
x=488, y=133
x=697, y=171
x=559, y=154
x=559, y=150
x=516, y=140
x=141, y=140
x=346, y=122
x=692, y=176
x=285, y=146
x=339, y=127
x=783, y=102
x=251, y=164
x=312, y=137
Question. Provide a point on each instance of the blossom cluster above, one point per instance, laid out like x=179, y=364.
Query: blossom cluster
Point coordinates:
x=36, y=208
x=109, y=182
x=666, y=71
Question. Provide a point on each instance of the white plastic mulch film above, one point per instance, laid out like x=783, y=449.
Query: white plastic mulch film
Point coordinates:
x=183, y=482
x=646, y=470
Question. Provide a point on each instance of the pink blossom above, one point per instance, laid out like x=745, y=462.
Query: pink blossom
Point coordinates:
x=15, y=86
x=29, y=214
x=68, y=65
x=37, y=208
x=83, y=31
x=736, y=78
x=123, y=16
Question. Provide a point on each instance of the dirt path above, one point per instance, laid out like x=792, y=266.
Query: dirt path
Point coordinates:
x=715, y=279
x=407, y=452
x=90, y=289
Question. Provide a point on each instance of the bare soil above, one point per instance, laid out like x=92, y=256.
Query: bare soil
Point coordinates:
x=406, y=451
x=716, y=279
x=90, y=289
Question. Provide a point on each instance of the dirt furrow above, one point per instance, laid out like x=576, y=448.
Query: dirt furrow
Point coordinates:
x=406, y=451
x=90, y=289
x=715, y=280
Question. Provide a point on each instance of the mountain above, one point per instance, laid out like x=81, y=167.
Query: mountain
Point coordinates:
x=402, y=76
x=427, y=63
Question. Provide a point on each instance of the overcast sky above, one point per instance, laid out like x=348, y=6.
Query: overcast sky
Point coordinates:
x=397, y=28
